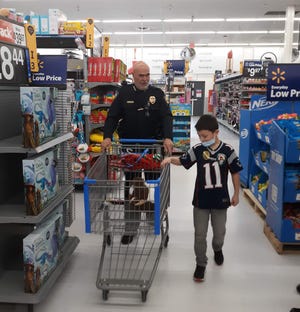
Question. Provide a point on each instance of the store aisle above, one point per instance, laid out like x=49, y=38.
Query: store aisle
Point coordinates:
x=253, y=277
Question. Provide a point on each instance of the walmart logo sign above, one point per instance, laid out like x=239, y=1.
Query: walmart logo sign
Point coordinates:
x=283, y=82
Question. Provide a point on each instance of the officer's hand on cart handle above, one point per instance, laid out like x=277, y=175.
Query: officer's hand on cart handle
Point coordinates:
x=106, y=143
x=168, y=146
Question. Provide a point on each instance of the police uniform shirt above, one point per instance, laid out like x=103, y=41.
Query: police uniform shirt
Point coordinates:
x=139, y=114
x=211, y=187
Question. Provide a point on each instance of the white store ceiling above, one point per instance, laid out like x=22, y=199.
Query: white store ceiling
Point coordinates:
x=175, y=33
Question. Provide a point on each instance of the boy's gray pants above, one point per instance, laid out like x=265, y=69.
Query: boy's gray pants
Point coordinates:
x=201, y=220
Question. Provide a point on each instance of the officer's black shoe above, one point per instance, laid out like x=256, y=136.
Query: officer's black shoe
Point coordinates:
x=126, y=239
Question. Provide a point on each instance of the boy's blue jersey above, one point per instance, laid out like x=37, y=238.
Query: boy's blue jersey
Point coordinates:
x=211, y=186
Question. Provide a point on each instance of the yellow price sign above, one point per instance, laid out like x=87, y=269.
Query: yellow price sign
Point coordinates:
x=31, y=45
x=89, y=41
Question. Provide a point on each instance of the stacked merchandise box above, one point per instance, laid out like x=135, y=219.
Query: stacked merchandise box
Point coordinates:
x=101, y=69
x=106, y=69
x=40, y=180
x=120, y=71
x=283, y=209
x=41, y=250
x=38, y=115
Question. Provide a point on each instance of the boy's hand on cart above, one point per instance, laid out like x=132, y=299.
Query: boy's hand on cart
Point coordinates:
x=170, y=160
x=106, y=143
x=168, y=146
x=166, y=161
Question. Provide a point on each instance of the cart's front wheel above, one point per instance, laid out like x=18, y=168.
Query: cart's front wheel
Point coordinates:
x=105, y=294
x=144, y=295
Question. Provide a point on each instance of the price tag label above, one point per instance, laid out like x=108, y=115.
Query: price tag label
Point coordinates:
x=12, y=33
x=89, y=43
x=13, y=65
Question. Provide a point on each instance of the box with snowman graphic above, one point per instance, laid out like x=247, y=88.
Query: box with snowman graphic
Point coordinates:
x=40, y=180
x=38, y=115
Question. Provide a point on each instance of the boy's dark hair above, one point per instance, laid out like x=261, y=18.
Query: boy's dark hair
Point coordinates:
x=207, y=122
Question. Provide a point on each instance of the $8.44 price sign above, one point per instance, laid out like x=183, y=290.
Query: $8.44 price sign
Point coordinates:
x=13, y=65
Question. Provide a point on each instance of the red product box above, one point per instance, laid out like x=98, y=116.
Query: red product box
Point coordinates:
x=117, y=77
x=101, y=69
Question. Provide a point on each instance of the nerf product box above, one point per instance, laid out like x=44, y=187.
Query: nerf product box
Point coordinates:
x=40, y=180
x=38, y=114
x=41, y=253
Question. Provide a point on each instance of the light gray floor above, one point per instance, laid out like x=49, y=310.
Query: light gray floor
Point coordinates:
x=253, y=278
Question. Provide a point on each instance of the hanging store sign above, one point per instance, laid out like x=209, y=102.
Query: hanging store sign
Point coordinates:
x=89, y=41
x=253, y=69
x=31, y=45
x=175, y=66
x=13, y=65
x=283, y=82
x=12, y=33
x=52, y=71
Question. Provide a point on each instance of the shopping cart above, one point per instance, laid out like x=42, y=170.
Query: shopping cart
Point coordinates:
x=126, y=196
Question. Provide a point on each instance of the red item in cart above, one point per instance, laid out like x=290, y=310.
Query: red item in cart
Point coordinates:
x=138, y=162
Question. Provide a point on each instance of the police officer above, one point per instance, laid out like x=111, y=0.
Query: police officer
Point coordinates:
x=140, y=111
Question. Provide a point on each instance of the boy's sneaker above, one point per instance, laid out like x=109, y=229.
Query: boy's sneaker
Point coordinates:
x=219, y=258
x=199, y=273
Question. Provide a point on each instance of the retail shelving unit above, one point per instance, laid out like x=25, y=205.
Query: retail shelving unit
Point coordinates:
x=15, y=224
x=254, y=143
x=283, y=206
x=228, y=90
x=271, y=161
x=175, y=90
x=250, y=86
x=94, y=122
x=181, y=126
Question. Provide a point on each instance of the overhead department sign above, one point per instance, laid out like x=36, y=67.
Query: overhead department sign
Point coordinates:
x=283, y=82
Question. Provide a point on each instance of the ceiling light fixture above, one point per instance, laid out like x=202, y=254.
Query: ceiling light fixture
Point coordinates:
x=254, y=19
x=177, y=20
x=208, y=19
x=274, y=44
x=242, y=32
x=133, y=21
x=209, y=32
x=137, y=33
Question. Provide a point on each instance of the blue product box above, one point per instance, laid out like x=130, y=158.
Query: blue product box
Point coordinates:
x=35, y=21
x=44, y=25
x=40, y=254
x=291, y=185
x=40, y=180
x=38, y=114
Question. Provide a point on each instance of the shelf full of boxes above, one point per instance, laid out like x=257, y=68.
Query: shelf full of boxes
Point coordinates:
x=269, y=152
x=36, y=197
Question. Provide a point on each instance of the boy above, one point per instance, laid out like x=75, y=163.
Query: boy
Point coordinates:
x=214, y=159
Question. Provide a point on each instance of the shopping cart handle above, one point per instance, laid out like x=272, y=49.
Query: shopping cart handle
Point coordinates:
x=150, y=141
